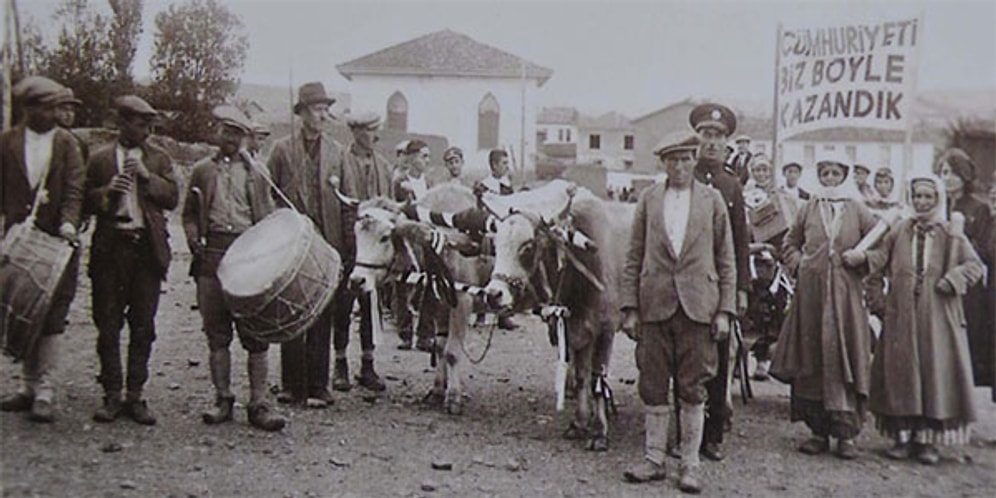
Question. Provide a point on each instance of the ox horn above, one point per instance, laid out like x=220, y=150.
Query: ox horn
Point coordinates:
x=335, y=182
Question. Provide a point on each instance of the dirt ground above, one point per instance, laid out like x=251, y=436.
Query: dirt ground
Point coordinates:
x=507, y=442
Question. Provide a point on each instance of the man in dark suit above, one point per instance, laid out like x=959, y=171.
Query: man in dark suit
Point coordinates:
x=40, y=163
x=792, y=172
x=129, y=184
x=714, y=123
x=678, y=299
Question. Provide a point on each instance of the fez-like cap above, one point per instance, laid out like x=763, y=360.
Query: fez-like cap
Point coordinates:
x=135, y=106
x=715, y=115
x=883, y=172
x=792, y=165
x=66, y=96
x=741, y=138
x=862, y=167
x=36, y=90
x=231, y=116
x=369, y=120
x=676, y=142
x=452, y=152
x=311, y=93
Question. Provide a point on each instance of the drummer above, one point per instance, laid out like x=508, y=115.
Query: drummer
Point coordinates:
x=34, y=152
x=226, y=196
x=130, y=184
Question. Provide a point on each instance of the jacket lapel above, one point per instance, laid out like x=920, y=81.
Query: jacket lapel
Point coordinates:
x=698, y=209
x=656, y=207
x=18, y=152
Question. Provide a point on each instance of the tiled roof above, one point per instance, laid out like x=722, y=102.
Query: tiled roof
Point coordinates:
x=557, y=115
x=609, y=121
x=444, y=53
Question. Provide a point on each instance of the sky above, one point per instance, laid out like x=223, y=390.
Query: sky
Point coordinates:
x=631, y=57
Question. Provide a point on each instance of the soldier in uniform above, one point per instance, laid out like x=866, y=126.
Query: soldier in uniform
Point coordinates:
x=227, y=195
x=715, y=123
x=37, y=156
x=130, y=184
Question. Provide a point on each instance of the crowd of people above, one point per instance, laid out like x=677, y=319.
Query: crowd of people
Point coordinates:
x=836, y=257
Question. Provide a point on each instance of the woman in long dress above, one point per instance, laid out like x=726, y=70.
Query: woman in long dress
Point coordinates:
x=921, y=391
x=958, y=171
x=824, y=349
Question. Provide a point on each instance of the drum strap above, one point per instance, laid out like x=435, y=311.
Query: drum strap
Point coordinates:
x=41, y=195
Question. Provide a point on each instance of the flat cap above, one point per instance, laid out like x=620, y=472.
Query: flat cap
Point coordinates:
x=230, y=115
x=402, y=145
x=37, y=89
x=452, y=152
x=676, y=142
x=369, y=120
x=883, y=172
x=792, y=165
x=66, y=96
x=134, y=105
x=741, y=138
x=714, y=115
x=866, y=169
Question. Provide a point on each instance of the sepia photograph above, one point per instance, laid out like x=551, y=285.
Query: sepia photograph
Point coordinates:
x=482, y=248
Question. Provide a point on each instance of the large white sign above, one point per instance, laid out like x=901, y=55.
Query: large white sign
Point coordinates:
x=856, y=75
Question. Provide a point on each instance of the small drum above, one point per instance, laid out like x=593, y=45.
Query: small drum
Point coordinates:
x=279, y=276
x=31, y=264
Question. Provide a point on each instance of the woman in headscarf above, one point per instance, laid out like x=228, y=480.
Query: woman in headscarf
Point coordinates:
x=766, y=310
x=921, y=391
x=957, y=171
x=824, y=349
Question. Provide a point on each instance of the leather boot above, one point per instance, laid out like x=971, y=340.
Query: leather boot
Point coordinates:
x=261, y=416
x=138, y=409
x=110, y=410
x=259, y=412
x=224, y=405
x=693, y=420
x=368, y=377
x=652, y=467
x=340, y=376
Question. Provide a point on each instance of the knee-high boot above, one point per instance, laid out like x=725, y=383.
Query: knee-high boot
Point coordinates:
x=220, y=362
x=692, y=420
x=260, y=413
x=652, y=468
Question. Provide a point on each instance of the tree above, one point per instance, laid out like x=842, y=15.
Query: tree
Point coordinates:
x=199, y=51
x=82, y=59
x=126, y=27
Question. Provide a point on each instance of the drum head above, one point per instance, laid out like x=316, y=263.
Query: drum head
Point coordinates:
x=265, y=253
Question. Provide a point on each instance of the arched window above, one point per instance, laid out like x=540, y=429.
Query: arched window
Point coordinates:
x=397, y=112
x=487, y=122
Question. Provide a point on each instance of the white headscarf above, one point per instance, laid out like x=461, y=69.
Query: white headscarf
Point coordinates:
x=937, y=214
x=846, y=190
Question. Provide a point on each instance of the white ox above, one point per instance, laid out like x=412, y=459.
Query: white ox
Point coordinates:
x=387, y=242
x=539, y=261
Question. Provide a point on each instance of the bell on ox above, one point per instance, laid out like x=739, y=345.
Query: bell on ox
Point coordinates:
x=278, y=276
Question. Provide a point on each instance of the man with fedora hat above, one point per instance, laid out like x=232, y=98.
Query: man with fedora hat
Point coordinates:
x=714, y=123
x=365, y=174
x=130, y=184
x=678, y=299
x=37, y=156
x=303, y=165
x=226, y=196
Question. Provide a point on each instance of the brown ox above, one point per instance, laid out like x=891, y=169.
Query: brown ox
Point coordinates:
x=387, y=243
x=536, y=264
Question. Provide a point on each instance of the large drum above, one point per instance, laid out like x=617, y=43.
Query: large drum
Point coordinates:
x=279, y=276
x=31, y=264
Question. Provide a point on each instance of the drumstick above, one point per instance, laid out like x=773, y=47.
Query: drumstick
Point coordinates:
x=244, y=154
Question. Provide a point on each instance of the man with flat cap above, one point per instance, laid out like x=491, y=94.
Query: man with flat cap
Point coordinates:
x=741, y=158
x=450, y=171
x=130, y=184
x=66, y=105
x=41, y=164
x=678, y=299
x=365, y=174
x=227, y=194
x=714, y=123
